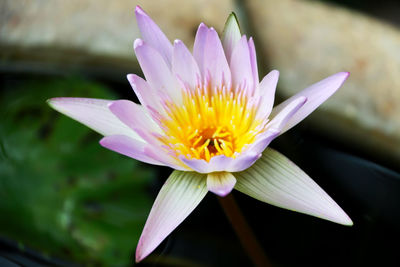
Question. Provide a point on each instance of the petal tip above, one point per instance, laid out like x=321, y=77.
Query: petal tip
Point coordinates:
x=50, y=102
x=203, y=25
x=345, y=220
x=140, y=11
x=221, y=193
x=130, y=77
x=177, y=42
x=137, y=43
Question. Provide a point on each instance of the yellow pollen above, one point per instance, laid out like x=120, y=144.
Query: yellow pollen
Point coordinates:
x=210, y=122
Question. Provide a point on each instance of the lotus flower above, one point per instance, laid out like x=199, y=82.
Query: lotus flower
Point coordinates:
x=206, y=115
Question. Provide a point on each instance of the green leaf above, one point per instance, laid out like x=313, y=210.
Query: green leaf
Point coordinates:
x=61, y=193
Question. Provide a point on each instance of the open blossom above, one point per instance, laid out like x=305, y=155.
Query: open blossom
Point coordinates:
x=206, y=115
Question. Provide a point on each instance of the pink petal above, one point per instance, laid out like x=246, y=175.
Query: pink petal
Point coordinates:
x=243, y=161
x=220, y=183
x=93, y=113
x=129, y=147
x=184, y=65
x=216, y=164
x=178, y=197
x=263, y=140
x=316, y=94
x=200, y=44
x=242, y=72
x=147, y=96
x=231, y=35
x=253, y=60
x=152, y=35
x=133, y=115
x=210, y=57
x=157, y=153
x=156, y=71
x=276, y=180
x=286, y=113
x=267, y=89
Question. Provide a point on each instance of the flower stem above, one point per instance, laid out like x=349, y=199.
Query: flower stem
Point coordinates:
x=243, y=231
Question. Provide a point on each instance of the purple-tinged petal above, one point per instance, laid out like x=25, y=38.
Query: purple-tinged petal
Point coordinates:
x=199, y=45
x=93, y=113
x=240, y=64
x=216, y=164
x=285, y=114
x=262, y=142
x=231, y=35
x=267, y=89
x=184, y=65
x=156, y=71
x=215, y=62
x=178, y=197
x=160, y=155
x=210, y=57
x=129, y=147
x=152, y=35
x=276, y=180
x=220, y=183
x=253, y=60
x=243, y=161
x=316, y=94
x=133, y=115
x=147, y=96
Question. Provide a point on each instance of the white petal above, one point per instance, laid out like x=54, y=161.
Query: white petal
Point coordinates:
x=178, y=197
x=93, y=113
x=276, y=180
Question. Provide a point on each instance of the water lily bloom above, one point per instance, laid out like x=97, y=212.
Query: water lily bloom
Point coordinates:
x=206, y=115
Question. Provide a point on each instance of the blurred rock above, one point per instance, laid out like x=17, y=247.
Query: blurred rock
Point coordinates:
x=308, y=41
x=97, y=33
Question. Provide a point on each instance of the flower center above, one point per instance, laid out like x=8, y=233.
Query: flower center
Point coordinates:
x=212, y=141
x=209, y=123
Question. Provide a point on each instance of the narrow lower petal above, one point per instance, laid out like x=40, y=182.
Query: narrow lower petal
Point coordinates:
x=276, y=180
x=316, y=94
x=240, y=64
x=231, y=35
x=158, y=74
x=93, y=113
x=220, y=183
x=267, y=89
x=153, y=35
x=178, y=197
x=184, y=65
x=129, y=147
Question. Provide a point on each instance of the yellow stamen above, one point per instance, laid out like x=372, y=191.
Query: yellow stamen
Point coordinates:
x=210, y=122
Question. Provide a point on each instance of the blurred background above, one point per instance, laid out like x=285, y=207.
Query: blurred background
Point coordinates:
x=66, y=201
